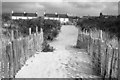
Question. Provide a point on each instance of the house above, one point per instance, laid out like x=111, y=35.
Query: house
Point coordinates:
x=18, y=15
x=63, y=18
x=51, y=16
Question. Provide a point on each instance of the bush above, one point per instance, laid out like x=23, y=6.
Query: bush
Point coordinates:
x=51, y=28
x=110, y=25
x=46, y=47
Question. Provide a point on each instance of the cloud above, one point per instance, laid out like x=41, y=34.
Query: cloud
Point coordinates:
x=33, y=1
x=91, y=0
x=60, y=0
x=111, y=8
x=21, y=6
x=75, y=8
x=96, y=7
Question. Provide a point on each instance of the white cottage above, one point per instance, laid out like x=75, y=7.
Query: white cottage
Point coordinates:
x=63, y=18
x=51, y=16
x=16, y=15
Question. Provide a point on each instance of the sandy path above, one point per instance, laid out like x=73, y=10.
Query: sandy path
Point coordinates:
x=62, y=62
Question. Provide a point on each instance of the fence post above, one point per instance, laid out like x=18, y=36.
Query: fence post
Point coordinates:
x=17, y=34
x=118, y=76
x=111, y=64
x=89, y=43
x=29, y=31
x=42, y=35
x=101, y=37
x=0, y=49
x=12, y=35
x=36, y=30
x=12, y=50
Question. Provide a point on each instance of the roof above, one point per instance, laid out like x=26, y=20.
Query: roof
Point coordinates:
x=73, y=17
x=63, y=15
x=25, y=14
x=51, y=15
x=18, y=14
x=56, y=15
x=31, y=14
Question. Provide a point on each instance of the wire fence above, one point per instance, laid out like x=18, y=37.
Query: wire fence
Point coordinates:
x=103, y=51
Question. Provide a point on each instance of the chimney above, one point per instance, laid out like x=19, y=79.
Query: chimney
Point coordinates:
x=44, y=13
x=24, y=12
x=55, y=13
x=36, y=12
x=12, y=12
x=67, y=14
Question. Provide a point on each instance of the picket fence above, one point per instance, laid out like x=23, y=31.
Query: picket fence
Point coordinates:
x=14, y=54
x=102, y=50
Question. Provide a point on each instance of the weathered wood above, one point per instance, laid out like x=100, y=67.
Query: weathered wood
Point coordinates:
x=17, y=52
x=102, y=59
x=29, y=31
x=111, y=65
x=12, y=35
x=118, y=59
x=36, y=30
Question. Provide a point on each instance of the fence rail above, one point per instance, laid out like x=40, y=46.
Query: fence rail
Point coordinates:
x=102, y=50
x=15, y=53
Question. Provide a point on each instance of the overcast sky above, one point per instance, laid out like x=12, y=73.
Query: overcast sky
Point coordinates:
x=76, y=7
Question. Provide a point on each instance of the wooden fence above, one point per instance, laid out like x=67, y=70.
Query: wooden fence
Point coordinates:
x=102, y=50
x=16, y=52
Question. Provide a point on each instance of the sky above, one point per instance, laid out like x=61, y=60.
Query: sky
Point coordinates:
x=72, y=7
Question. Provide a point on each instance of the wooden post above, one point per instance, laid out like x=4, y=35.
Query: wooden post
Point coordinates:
x=118, y=59
x=79, y=36
x=111, y=64
x=91, y=44
x=12, y=35
x=36, y=30
x=99, y=51
x=17, y=33
x=42, y=34
x=88, y=43
x=1, y=48
x=29, y=31
x=101, y=37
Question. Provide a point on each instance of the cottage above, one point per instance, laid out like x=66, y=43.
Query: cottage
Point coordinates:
x=16, y=15
x=51, y=16
x=63, y=18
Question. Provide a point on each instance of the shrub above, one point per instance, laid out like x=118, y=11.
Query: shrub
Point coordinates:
x=51, y=28
x=110, y=25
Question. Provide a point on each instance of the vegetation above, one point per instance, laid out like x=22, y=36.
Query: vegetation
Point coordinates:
x=50, y=28
x=110, y=24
